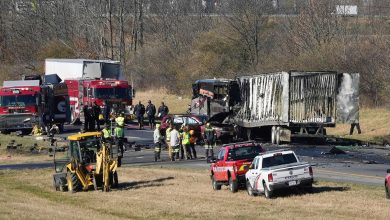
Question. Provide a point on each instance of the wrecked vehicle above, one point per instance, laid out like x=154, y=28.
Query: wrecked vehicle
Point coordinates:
x=223, y=125
x=212, y=96
x=286, y=104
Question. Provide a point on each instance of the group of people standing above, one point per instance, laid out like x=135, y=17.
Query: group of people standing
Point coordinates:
x=150, y=110
x=181, y=142
x=91, y=117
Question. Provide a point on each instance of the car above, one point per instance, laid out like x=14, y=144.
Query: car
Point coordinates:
x=387, y=184
x=274, y=170
x=232, y=162
x=223, y=126
x=194, y=122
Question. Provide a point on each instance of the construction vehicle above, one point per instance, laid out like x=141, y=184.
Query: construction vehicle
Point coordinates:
x=89, y=163
x=90, y=81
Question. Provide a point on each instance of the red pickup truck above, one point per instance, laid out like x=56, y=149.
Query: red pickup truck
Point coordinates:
x=232, y=162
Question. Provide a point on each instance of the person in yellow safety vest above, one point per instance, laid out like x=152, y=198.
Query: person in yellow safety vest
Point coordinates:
x=185, y=142
x=157, y=137
x=36, y=131
x=175, y=143
x=119, y=136
x=192, y=143
x=182, y=147
x=168, y=141
x=106, y=133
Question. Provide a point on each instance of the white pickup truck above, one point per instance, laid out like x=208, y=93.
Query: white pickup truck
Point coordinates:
x=274, y=170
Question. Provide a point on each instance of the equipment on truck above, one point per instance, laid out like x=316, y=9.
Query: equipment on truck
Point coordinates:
x=90, y=81
x=88, y=163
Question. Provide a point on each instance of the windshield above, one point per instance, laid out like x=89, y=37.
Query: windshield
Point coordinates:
x=19, y=100
x=111, y=93
x=242, y=153
x=279, y=159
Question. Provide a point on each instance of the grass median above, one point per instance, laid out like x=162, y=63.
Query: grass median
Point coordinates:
x=168, y=193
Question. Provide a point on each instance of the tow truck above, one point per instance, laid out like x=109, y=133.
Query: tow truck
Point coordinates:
x=232, y=162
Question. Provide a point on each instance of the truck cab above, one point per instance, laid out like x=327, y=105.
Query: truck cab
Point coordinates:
x=232, y=162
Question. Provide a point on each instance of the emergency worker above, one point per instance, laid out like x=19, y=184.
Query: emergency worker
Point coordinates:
x=107, y=111
x=106, y=133
x=210, y=138
x=185, y=142
x=120, y=135
x=192, y=150
x=91, y=122
x=157, y=142
x=151, y=112
x=87, y=116
x=175, y=143
x=168, y=140
x=96, y=113
x=163, y=110
x=139, y=110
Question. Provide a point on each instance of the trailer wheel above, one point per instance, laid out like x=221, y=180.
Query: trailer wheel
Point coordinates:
x=277, y=136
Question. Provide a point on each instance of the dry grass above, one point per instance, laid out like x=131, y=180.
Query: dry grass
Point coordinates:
x=375, y=125
x=161, y=193
x=176, y=103
x=22, y=154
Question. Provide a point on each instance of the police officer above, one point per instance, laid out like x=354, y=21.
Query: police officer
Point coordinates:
x=106, y=133
x=157, y=142
x=163, y=110
x=139, y=110
x=120, y=135
x=151, y=112
x=210, y=138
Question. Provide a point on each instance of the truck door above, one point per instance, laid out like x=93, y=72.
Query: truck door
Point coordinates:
x=348, y=98
x=218, y=166
x=253, y=172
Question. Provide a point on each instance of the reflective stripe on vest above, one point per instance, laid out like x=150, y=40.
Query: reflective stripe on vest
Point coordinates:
x=120, y=121
x=186, y=138
x=106, y=133
x=168, y=134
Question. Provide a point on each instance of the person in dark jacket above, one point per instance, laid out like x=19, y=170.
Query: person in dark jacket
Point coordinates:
x=210, y=138
x=151, y=112
x=96, y=112
x=107, y=111
x=163, y=110
x=139, y=110
x=87, y=117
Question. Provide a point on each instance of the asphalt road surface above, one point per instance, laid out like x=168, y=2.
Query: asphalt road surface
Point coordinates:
x=363, y=165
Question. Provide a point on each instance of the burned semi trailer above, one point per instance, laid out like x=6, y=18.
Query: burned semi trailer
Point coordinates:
x=282, y=105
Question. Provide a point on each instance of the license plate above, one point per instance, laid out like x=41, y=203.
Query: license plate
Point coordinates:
x=292, y=183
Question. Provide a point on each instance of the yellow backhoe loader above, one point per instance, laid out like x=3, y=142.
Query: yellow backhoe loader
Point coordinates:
x=89, y=163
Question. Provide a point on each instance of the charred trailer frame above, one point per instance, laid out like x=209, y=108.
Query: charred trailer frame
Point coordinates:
x=288, y=104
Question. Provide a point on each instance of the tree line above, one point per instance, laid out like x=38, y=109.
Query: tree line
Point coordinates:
x=171, y=43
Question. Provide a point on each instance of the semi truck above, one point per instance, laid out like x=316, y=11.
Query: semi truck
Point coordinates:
x=90, y=81
x=283, y=105
x=295, y=103
x=24, y=103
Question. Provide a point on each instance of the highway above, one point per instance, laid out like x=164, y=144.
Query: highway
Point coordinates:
x=364, y=165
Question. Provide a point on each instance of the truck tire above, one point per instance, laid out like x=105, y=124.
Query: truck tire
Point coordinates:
x=249, y=189
x=267, y=193
x=233, y=185
x=215, y=184
x=73, y=182
x=273, y=131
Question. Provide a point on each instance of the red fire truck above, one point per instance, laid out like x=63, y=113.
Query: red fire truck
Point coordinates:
x=116, y=93
x=26, y=102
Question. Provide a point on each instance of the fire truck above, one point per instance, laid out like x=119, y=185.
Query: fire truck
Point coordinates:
x=26, y=102
x=89, y=81
x=115, y=93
